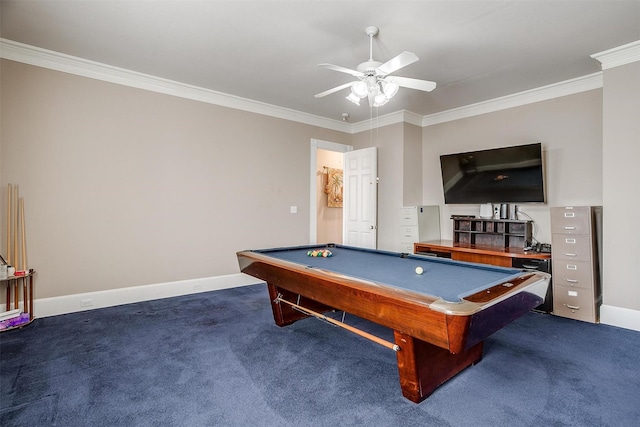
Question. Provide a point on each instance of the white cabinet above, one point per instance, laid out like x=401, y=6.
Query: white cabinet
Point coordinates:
x=575, y=252
x=418, y=224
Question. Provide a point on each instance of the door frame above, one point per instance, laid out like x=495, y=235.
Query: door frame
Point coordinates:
x=313, y=187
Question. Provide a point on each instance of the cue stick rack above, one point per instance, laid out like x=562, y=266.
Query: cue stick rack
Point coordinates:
x=334, y=322
x=19, y=278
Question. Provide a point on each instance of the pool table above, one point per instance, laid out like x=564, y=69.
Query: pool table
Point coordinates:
x=439, y=318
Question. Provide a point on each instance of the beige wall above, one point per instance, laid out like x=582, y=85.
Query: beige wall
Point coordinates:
x=127, y=187
x=621, y=157
x=412, y=166
x=570, y=130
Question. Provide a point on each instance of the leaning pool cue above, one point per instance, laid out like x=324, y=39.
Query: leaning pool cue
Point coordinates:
x=15, y=227
x=378, y=340
x=23, y=238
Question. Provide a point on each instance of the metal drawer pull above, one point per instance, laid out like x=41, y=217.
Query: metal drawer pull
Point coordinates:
x=569, y=214
x=569, y=227
x=570, y=241
x=572, y=307
x=571, y=254
x=571, y=280
x=572, y=267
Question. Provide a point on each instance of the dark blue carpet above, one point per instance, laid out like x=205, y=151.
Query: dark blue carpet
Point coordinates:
x=217, y=359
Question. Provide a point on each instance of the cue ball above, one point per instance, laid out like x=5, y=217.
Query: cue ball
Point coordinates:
x=419, y=270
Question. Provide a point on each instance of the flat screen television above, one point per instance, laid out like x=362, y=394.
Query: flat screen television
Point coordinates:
x=499, y=175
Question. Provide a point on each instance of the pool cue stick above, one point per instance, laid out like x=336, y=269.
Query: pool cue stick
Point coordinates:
x=378, y=340
x=14, y=234
x=8, y=222
x=23, y=239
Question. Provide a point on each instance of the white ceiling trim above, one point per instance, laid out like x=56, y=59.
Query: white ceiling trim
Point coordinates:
x=620, y=55
x=44, y=58
x=386, y=120
x=36, y=56
x=556, y=90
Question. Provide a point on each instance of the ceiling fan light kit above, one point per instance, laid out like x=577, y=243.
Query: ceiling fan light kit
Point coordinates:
x=374, y=81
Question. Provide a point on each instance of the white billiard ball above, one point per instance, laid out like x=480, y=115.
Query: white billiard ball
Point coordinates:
x=419, y=270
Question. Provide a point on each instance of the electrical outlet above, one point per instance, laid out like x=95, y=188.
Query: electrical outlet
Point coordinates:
x=86, y=303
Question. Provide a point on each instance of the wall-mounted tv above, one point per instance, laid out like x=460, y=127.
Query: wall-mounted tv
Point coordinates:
x=499, y=175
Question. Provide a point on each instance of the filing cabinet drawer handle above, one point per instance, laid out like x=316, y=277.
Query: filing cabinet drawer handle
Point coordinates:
x=572, y=267
x=569, y=227
x=571, y=280
x=566, y=254
x=572, y=307
x=569, y=214
x=570, y=241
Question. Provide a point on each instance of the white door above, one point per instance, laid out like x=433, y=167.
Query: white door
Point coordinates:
x=360, y=198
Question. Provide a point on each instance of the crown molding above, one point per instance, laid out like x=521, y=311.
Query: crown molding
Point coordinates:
x=400, y=116
x=620, y=55
x=556, y=90
x=44, y=58
x=36, y=56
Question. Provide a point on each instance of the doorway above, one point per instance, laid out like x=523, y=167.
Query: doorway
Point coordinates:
x=325, y=223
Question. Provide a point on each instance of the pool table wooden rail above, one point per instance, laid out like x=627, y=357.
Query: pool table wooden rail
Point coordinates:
x=422, y=316
x=396, y=309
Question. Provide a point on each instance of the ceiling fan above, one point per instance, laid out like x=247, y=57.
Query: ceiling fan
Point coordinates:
x=374, y=81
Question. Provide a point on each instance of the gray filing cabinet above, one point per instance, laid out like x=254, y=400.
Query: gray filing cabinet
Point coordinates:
x=576, y=259
x=418, y=224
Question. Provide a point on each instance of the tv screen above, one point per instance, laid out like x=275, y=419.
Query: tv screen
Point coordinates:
x=500, y=175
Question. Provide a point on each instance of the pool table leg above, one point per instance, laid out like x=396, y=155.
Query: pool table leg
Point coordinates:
x=423, y=367
x=284, y=314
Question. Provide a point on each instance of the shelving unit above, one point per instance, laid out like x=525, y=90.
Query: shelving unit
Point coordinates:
x=504, y=233
x=492, y=241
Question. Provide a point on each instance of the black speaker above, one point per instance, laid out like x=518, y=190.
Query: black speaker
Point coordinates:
x=504, y=211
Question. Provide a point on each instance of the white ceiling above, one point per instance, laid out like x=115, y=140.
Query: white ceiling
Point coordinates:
x=268, y=51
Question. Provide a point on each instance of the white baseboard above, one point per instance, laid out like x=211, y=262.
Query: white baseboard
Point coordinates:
x=44, y=307
x=54, y=306
x=620, y=317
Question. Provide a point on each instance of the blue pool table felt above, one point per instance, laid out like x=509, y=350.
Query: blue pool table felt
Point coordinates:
x=443, y=278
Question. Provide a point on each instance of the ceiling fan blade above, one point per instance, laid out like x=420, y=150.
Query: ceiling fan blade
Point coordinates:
x=425, y=85
x=394, y=64
x=342, y=69
x=335, y=89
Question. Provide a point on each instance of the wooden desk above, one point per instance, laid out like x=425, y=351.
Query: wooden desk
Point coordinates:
x=494, y=255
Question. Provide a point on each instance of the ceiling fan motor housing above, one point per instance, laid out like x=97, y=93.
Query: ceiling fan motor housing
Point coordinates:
x=369, y=67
